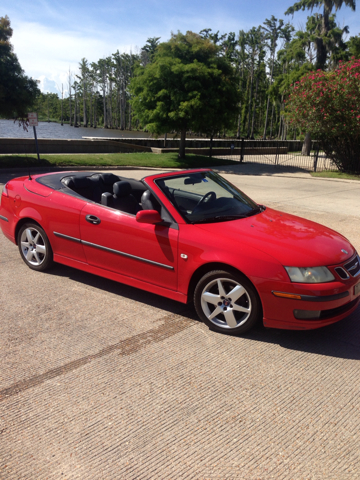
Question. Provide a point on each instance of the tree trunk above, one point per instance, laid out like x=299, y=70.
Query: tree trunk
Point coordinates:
x=110, y=105
x=254, y=111
x=268, y=100
x=62, y=101
x=271, y=123
x=84, y=105
x=306, y=148
x=182, y=144
x=239, y=124
x=75, y=100
x=70, y=112
x=104, y=107
x=249, y=107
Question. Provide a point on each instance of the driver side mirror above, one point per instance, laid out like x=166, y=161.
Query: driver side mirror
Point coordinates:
x=148, y=216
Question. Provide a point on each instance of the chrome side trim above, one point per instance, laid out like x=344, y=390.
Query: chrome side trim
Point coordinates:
x=111, y=250
x=67, y=237
x=128, y=255
x=3, y=218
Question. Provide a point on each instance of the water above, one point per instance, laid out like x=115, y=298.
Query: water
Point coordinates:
x=9, y=129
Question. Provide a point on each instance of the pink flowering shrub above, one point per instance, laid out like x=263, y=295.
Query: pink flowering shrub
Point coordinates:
x=327, y=104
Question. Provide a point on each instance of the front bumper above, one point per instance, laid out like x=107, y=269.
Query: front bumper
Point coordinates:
x=315, y=305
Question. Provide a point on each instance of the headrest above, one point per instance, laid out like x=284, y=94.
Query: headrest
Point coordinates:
x=76, y=182
x=122, y=189
x=109, y=178
x=146, y=200
x=95, y=178
x=68, y=181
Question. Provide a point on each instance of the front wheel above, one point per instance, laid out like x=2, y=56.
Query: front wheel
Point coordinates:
x=34, y=247
x=227, y=302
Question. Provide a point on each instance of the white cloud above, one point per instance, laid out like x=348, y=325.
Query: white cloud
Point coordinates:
x=44, y=51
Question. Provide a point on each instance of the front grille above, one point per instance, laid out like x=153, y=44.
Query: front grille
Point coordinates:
x=341, y=272
x=353, y=267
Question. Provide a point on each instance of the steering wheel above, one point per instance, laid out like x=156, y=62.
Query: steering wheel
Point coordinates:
x=208, y=197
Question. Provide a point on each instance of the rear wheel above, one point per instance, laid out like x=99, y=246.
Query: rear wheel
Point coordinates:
x=34, y=247
x=227, y=302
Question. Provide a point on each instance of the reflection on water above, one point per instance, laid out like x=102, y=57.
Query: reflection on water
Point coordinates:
x=9, y=129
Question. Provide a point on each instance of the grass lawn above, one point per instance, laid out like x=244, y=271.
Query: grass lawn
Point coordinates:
x=339, y=175
x=168, y=160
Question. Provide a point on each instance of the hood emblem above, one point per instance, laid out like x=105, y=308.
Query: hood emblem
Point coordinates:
x=344, y=251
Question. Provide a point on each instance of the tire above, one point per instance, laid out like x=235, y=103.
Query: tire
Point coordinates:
x=227, y=302
x=34, y=247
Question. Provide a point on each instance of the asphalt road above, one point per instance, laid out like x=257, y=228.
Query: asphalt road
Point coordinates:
x=103, y=381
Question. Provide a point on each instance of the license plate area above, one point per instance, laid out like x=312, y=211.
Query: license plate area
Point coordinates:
x=357, y=289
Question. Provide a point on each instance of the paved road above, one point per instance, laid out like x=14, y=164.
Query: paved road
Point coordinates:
x=102, y=381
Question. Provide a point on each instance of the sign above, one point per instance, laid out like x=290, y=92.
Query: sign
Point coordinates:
x=33, y=119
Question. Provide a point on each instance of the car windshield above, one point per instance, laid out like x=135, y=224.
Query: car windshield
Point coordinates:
x=206, y=197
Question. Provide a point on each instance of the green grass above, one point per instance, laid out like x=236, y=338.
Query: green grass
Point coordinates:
x=168, y=160
x=339, y=175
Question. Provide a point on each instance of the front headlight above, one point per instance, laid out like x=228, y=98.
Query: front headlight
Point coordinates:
x=310, y=274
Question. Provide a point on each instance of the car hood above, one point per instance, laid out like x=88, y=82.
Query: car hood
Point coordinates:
x=292, y=240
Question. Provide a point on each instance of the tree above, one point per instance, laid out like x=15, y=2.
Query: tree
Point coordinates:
x=84, y=79
x=327, y=104
x=148, y=50
x=274, y=31
x=188, y=85
x=328, y=5
x=17, y=91
x=354, y=46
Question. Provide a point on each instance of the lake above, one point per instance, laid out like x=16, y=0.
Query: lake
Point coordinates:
x=9, y=129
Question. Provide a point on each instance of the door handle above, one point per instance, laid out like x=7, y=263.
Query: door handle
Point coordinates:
x=92, y=219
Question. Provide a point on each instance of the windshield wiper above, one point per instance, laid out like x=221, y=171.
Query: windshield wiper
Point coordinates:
x=220, y=218
x=256, y=210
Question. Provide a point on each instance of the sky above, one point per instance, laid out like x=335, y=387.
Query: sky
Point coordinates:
x=51, y=37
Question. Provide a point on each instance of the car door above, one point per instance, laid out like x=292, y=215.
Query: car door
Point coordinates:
x=115, y=241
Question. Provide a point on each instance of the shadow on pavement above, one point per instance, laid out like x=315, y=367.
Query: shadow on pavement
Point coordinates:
x=341, y=339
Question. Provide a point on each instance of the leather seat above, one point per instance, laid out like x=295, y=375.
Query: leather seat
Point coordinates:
x=123, y=199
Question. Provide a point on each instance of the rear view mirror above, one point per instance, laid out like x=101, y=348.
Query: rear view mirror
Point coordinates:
x=193, y=179
x=148, y=216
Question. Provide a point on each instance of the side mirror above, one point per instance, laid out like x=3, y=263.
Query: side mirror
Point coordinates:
x=148, y=216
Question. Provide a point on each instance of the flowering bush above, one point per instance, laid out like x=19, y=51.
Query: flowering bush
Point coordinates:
x=327, y=104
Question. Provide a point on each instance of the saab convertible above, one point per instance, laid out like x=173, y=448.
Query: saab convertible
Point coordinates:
x=190, y=236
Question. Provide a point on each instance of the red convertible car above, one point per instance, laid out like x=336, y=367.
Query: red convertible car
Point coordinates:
x=190, y=236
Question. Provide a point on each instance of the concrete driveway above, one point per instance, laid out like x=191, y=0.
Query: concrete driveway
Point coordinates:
x=103, y=381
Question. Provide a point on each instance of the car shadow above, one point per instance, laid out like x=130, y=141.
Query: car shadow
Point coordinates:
x=341, y=339
x=120, y=289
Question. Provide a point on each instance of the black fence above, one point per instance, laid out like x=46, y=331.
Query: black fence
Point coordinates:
x=277, y=153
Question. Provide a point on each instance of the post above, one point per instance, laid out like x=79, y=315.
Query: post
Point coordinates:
x=33, y=122
x=36, y=143
x=242, y=150
x=316, y=157
x=277, y=153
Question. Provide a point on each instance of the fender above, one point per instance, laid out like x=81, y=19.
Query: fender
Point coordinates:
x=252, y=262
x=31, y=213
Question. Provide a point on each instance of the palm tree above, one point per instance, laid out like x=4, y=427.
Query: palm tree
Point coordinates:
x=328, y=6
